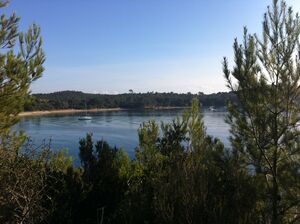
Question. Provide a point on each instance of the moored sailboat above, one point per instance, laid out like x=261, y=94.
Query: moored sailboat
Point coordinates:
x=86, y=117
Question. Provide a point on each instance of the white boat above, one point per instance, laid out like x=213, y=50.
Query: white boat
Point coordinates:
x=211, y=108
x=86, y=117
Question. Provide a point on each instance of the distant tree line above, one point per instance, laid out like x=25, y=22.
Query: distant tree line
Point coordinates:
x=78, y=100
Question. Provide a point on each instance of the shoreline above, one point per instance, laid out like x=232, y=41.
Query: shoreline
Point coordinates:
x=66, y=111
x=95, y=110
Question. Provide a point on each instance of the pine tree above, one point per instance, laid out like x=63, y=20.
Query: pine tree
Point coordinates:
x=22, y=179
x=264, y=132
x=17, y=69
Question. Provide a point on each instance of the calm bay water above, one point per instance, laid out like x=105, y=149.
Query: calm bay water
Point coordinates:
x=117, y=128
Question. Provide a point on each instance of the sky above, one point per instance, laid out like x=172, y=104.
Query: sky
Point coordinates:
x=111, y=46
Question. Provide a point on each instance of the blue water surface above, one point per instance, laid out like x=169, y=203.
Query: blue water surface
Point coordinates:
x=118, y=128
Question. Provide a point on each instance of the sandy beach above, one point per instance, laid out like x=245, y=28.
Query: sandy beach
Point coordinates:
x=66, y=111
x=71, y=111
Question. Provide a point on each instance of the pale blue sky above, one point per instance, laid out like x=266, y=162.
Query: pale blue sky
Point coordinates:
x=111, y=46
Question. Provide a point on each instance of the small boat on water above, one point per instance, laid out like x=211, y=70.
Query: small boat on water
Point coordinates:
x=212, y=109
x=86, y=117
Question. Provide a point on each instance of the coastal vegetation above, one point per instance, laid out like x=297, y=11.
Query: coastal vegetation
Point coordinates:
x=78, y=100
x=179, y=174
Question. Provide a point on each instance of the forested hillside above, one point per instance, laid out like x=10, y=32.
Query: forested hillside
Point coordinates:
x=77, y=100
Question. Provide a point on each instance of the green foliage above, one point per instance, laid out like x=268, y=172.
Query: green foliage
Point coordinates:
x=105, y=172
x=24, y=177
x=264, y=123
x=60, y=161
x=64, y=191
x=193, y=121
x=187, y=177
x=76, y=100
x=22, y=173
x=18, y=69
x=180, y=175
